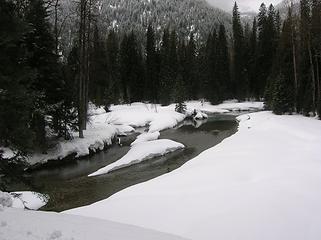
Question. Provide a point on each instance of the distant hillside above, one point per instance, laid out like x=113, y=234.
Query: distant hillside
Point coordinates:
x=284, y=5
x=125, y=15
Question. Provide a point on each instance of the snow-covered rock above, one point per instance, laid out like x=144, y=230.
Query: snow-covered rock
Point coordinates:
x=28, y=200
x=145, y=137
x=263, y=183
x=18, y=224
x=140, y=152
x=7, y=153
x=200, y=116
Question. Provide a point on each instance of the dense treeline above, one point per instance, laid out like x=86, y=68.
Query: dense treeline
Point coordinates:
x=42, y=91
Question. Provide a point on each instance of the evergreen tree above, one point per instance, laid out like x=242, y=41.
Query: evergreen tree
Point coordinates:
x=16, y=78
x=222, y=65
x=131, y=69
x=211, y=60
x=99, y=86
x=253, y=78
x=316, y=45
x=281, y=101
x=238, y=55
x=190, y=69
x=165, y=69
x=113, y=69
x=180, y=94
x=307, y=101
x=151, y=86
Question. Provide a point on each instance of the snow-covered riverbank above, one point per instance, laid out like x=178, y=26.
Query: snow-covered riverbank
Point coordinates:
x=103, y=127
x=17, y=224
x=264, y=182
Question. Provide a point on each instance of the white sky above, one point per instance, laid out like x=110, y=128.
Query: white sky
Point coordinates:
x=244, y=5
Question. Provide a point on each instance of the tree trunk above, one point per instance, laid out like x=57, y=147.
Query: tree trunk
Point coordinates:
x=313, y=82
x=82, y=53
x=318, y=85
x=294, y=66
x=56, y=28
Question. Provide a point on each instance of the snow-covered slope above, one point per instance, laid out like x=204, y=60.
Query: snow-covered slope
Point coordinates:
x=17, y=224
x=186, y=16
x=263, y=183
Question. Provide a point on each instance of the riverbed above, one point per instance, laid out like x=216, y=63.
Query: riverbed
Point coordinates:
x=69, y=186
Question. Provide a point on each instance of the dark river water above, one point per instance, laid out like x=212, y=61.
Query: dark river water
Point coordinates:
x=68, y=186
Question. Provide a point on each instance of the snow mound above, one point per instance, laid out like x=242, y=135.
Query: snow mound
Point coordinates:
x=140, y=152
x=263, y=182
x=145, y=137
x=5, y=200
x=17, y=224
x=157, y=118
x=124, y=129
x=225, y=107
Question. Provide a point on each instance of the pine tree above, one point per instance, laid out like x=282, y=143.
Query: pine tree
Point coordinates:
x=190, y=69
x=99, y=84
x=253, y=85
x=179, y=93
x=222, y=65
x=165, y=69
x=113, y=68
x=151, y=86
x=211, y=60
x=307, y=75
x=281, y=101
x=238, y=55
x=42, y=58
x=316, y=45
x=16, y=78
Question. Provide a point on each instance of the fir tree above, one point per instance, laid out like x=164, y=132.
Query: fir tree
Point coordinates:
x=151, y=86
x=238, y=55
x=113, y=68
x=281, y=101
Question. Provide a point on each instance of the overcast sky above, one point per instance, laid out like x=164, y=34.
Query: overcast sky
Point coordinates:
x=244, y=5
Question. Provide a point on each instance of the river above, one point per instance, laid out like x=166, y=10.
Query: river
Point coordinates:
x=69, y=187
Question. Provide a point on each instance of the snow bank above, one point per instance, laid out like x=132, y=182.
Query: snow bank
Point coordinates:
x=140, y=152
x=145, y=137
x=225, y=107
x=122, y=120
x=17, y=224
x=97, y=136
x=263, y=183
x=157, y=118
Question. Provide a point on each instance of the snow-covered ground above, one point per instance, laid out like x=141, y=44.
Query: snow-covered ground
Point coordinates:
x=141, y=152
x=17, y=224
x=264, y=182
x=122, y=119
